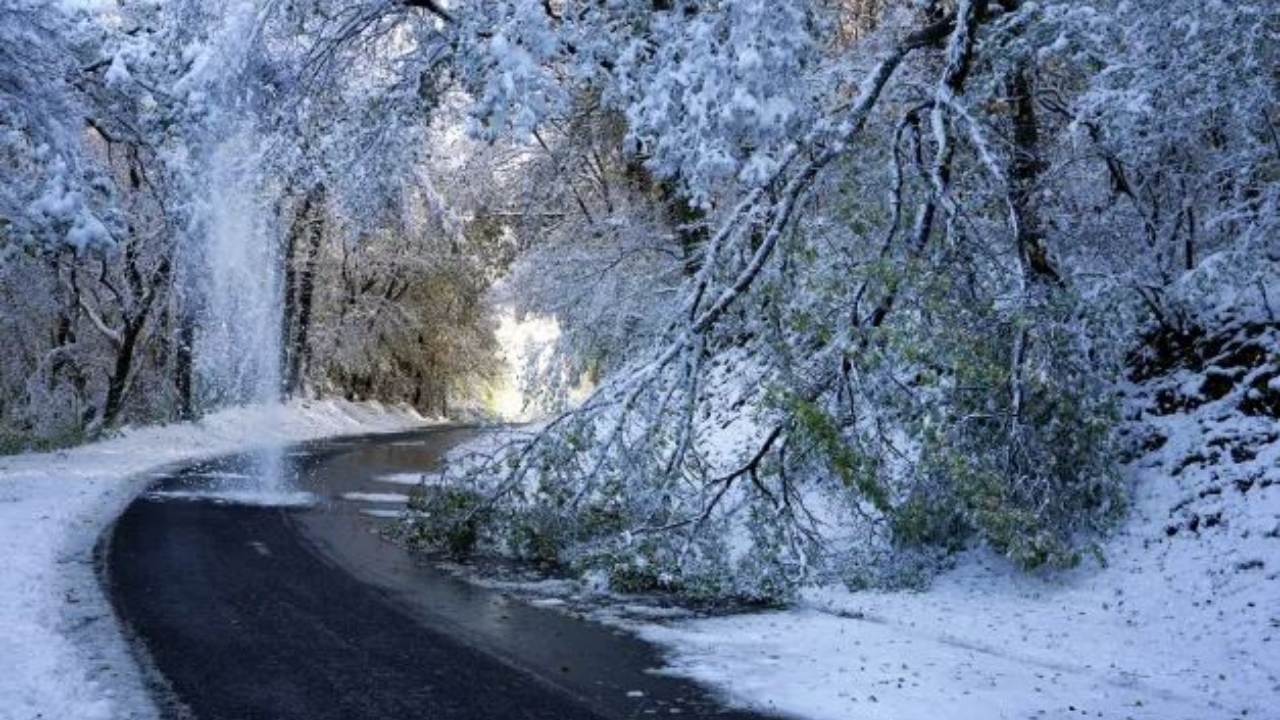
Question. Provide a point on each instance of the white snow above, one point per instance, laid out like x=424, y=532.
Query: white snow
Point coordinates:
x=406, y=478
x=375, y=497
x=525, y=348
x=118, y=72
x=1183, y=622
x=1175, y=626
x=240, y=497
x=62, y=656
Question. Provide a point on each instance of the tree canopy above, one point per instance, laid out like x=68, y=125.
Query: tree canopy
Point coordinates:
x=854, y=282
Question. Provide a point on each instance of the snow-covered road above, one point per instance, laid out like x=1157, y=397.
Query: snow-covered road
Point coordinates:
x=62, y=656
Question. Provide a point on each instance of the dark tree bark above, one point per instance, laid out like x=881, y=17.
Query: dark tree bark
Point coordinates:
x=431, y=6
x=1026, y=169
x=306, y=298
x=690, y=226
x=302, y=251
x=184, y=365
x=129, y=336
x=118, y=382
x=289, y=311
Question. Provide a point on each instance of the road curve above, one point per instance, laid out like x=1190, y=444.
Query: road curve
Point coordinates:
x=253, y=613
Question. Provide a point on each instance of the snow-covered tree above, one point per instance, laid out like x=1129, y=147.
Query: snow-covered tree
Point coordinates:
x=926, y=244
x=51, y=192
x=855, y=280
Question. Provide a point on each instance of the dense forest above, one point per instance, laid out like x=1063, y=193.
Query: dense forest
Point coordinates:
x=853, y=283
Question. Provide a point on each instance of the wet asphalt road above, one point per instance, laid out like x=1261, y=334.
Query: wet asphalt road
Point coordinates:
x=253, y=613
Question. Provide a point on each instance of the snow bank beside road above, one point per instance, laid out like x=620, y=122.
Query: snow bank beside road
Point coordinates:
x=62, y=656
x=1183, y=623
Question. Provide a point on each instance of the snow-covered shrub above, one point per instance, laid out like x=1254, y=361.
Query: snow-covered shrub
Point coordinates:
x=1025, y=462
x=449, y=519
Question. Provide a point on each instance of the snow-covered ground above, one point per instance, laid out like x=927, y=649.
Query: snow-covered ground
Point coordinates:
x=62, y=656
x=1182, y=623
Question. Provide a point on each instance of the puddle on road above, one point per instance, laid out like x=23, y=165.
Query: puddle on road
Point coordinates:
x=233, y=480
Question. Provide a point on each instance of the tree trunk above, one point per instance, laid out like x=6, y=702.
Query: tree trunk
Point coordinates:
x=305, y=237
x=184, y=366
x=130, y=333
x=690, y=225
x=119, y=379
x=1024, y=176
x=314, y=235
x=288, y=312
